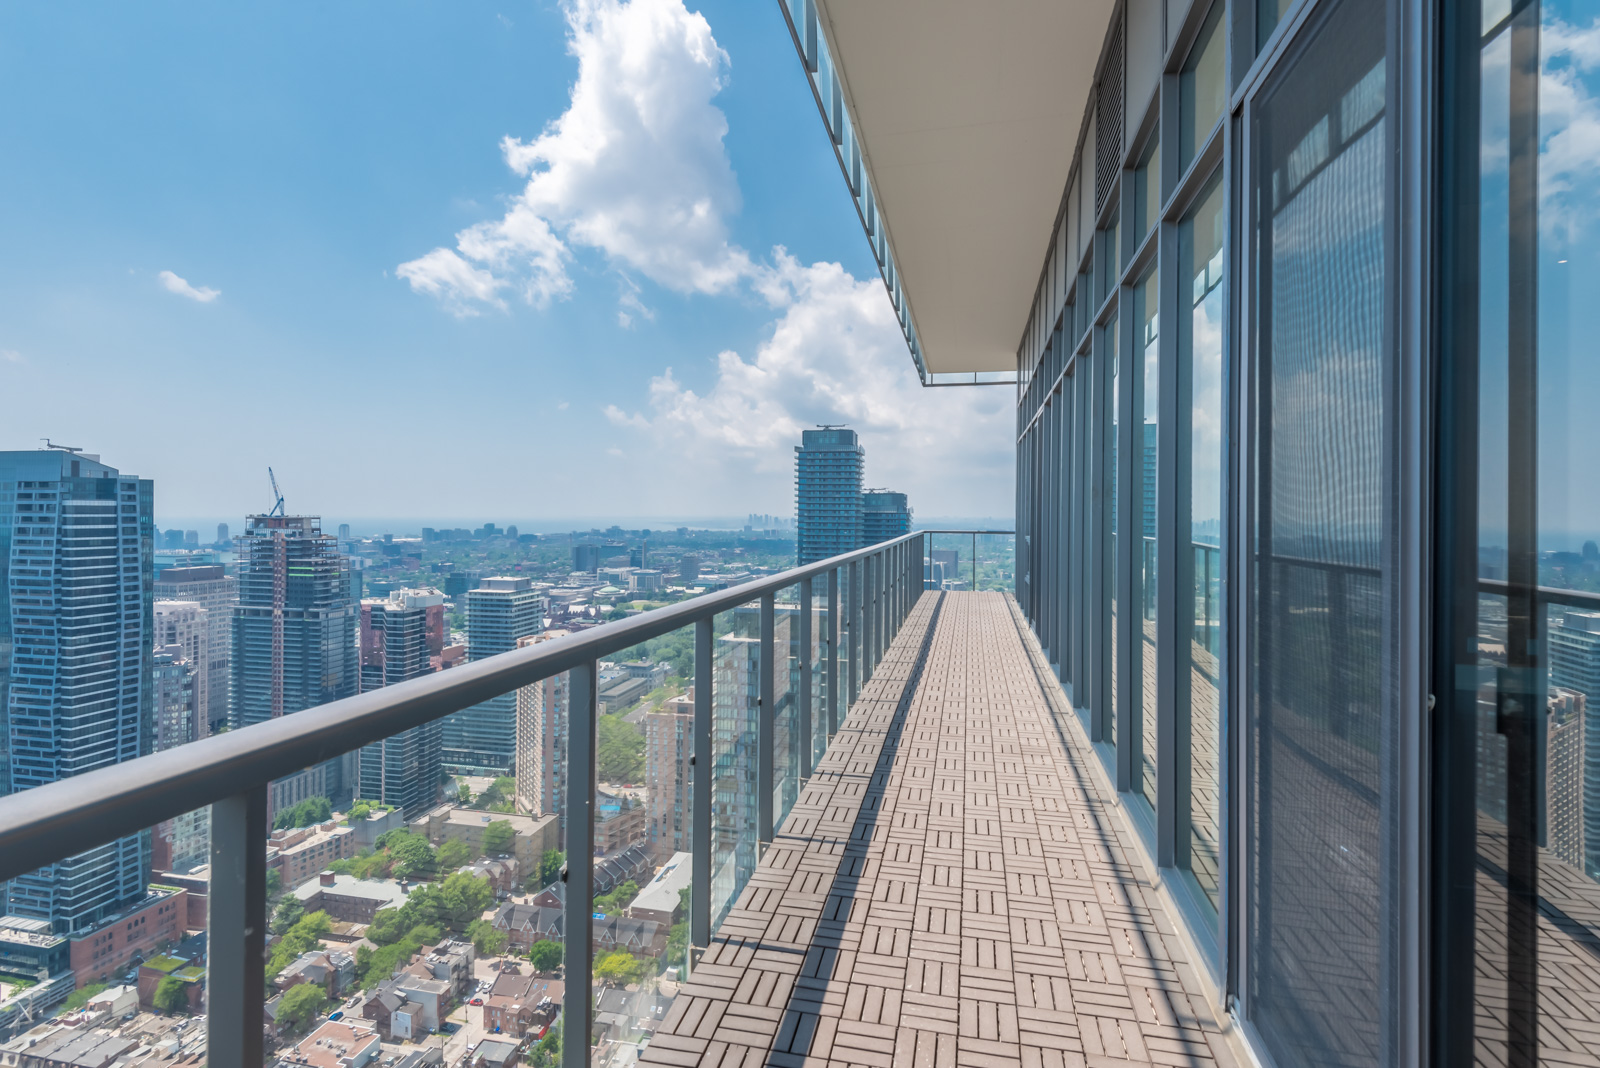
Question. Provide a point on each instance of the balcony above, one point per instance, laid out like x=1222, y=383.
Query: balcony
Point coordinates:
x=904, y=848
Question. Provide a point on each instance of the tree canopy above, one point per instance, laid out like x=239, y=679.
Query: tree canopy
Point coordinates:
x=301, y=1004
x=453, y=854
x=550, y=862
x=619, y=968
x=304, y=936
x=621, y=751
x=498, y=837
x=311, y=810
x=488, y=941
x=546, y=956
x=172, y=995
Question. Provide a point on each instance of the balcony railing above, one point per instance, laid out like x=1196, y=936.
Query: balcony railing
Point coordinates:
x=230, y=772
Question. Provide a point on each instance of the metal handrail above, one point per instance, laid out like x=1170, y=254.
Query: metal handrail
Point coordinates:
x=68, y=816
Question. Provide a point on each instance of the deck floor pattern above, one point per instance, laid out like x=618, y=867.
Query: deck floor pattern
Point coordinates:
x=948, y=891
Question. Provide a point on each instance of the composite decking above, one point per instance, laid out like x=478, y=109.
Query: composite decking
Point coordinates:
x=950, y=889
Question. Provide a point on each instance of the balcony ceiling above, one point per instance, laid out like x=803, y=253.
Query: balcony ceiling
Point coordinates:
x=968, y=115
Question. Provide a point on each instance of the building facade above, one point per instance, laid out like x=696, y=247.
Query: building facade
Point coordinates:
x=175, y=687
x=885, y=515
x=668, y=776
x=76, y=634
x=187, y=625
x=483, y=739
x=402, y=637
x=541, y=757
x=827, y=491
x=217, y=592
x=294, y=638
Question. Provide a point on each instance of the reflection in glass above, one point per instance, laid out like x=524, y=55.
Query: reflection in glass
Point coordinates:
x=1111, y=266
x=735, y=691
x=1202, y=88
x=1200, y=240
x=1537, y=863
x=1322, y=715
x=1112, y=491
x=1147, y=188
x=1144, y=699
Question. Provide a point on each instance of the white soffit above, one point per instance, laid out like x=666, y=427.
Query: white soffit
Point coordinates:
x=968, y=115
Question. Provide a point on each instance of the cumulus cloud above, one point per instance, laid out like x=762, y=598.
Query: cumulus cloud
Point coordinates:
x=11, y=356
x=836, y=355
x=174, y=284
x=634, y=168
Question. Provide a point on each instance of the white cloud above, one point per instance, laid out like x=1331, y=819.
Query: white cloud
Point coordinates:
x=634, y=168
x=11, y=356
x=174, y=284
x=563, y=406
x=836, y=355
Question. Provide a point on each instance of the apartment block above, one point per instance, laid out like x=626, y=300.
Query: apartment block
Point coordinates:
x=827, y=484
x=76, y=636
x=483, y=739
x=402, y=637
x=668, y=747
x=217, y=592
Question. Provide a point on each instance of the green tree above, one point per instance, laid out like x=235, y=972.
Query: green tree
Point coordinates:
x=311, y=810
x=498, y=837
x=453, y=854
x=360, y=811
x=618, y=899
x=301, y=1004
x=462, y=899
x=546, y=956
x=488, y=941
x=621, y=751
x=677, y=944
x=619, y=968
x=303, y=936
x=81, y=997
x=464, y=794
x=287, y=914
x=550, y=866
x=375, y=965
x=409, y=854
x=274, y=883
x=172, y=995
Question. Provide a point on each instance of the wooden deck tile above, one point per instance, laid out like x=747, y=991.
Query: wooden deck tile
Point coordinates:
x=948, y=891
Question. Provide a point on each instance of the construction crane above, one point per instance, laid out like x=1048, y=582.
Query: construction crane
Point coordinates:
x=277, y=508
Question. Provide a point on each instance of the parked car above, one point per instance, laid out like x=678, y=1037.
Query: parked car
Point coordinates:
x=475, y=1001
x=337, y=1014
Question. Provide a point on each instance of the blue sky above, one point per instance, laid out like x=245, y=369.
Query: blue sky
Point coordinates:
x=300, y=236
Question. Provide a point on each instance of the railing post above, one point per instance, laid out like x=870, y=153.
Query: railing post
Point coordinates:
x=236, y=924
x=577, y=1012
x=975, y=561
x=852, y=646
x=834, y=689
x=869, y=598
x=808, y=745
x=705, y=767
x=765, y=722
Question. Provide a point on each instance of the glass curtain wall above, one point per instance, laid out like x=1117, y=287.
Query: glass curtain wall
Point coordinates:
x=1200, y=502
x=1520, y=918
x=1143, y=698
x=1322, y=704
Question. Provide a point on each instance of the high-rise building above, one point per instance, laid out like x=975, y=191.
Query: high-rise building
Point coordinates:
x=1575, y=665
x=827, y=490
x=175, y=685
x=344, y=531
x=541, y=758
x=402, y=637
x=884, y=515
x=77, y=543
x=484, y=737
x=294, y=638
x=183, y=842
x=216, y=592
x=186, y=625
x=668, y=746
x=586, y=558
x=222, y=535
x=1563, y=781
x=735, y=697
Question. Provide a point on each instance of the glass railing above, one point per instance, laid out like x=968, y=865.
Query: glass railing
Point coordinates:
x=540, y=898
